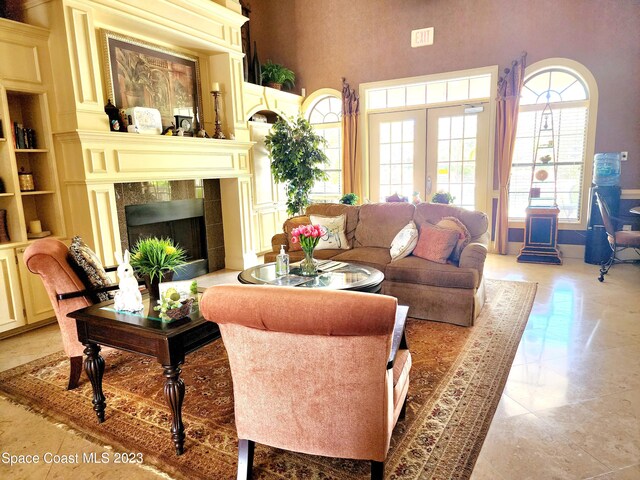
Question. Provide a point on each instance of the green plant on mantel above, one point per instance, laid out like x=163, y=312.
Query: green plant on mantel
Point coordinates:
x=297, y=159
x=277, y=76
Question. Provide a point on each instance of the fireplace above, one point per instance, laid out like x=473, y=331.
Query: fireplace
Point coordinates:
x=187, y=211
x=180, y=220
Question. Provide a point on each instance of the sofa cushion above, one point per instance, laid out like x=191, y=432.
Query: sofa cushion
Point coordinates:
x=476, y=222
x=333, y=232
x=289, y=225
x=375, y=257
x=419, y=271
x=334, y=209
x=464, y=237
x=379, y=223
x=404, y=242
x=435, y=243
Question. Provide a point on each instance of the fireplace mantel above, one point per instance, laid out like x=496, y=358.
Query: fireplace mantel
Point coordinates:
x=127, y=157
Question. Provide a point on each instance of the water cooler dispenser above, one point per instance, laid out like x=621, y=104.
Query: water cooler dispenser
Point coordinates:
x=606, y=181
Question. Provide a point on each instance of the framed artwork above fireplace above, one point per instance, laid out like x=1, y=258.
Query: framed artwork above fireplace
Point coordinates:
x=139, y=74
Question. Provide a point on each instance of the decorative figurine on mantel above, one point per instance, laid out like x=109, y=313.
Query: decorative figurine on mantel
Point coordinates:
x=215, y=91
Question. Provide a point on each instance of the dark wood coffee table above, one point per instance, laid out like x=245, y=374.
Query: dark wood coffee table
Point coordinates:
x=350, y=276
x=145, y=334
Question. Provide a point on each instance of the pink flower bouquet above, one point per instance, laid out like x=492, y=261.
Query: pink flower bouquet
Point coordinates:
x=308, y=237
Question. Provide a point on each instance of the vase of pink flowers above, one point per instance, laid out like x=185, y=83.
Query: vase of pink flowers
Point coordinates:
x=307, y=236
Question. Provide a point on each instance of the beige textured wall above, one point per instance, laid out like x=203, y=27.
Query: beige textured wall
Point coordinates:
x=369, y=40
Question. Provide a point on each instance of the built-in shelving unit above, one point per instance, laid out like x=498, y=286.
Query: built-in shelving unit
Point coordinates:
x=24, y=111
x=24, y=104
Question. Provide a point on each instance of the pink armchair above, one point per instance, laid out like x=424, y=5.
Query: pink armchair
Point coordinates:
x=48, y=258
x=314, y=371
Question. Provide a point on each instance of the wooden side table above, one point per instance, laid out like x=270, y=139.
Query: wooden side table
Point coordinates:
x=541, y=236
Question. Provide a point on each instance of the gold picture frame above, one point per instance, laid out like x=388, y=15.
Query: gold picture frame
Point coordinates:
x=140, y=74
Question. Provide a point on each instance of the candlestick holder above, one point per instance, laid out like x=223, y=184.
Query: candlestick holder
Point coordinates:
x=216, y=107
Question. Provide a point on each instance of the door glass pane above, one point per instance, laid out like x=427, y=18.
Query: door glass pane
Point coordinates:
x=456, y=156
x=396, y=159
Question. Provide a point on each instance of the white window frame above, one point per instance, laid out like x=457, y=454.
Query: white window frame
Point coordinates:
x=307, y=107
x=589, y=82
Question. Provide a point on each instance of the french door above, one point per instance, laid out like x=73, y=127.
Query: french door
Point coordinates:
x=457, y=154
x=430, y=150
x=397, y=152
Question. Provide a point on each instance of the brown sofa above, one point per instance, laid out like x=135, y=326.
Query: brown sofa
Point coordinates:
x=452, y=293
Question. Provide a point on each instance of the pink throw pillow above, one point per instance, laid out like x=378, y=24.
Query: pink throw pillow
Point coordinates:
x=435, y=243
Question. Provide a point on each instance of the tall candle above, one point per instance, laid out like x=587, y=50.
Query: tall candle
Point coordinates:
x=215, y=87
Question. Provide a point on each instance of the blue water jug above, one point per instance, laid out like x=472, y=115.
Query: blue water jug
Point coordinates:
x=606, y=169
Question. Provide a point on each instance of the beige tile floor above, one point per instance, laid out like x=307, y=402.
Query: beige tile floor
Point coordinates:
x=570, y=408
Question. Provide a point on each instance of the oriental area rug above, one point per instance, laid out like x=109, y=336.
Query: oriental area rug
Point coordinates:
x=457, y=378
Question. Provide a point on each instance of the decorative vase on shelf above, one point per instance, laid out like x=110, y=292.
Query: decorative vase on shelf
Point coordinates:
x=153, y=286
x=308, y=266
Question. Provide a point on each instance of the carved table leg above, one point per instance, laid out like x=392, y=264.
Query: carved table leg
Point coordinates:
x=174, y=394
x=94, y=368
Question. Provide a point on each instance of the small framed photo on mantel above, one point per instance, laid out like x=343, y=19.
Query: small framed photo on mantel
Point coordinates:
x=140, y=74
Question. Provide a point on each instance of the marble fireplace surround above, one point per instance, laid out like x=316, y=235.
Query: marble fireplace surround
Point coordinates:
x=145, y=193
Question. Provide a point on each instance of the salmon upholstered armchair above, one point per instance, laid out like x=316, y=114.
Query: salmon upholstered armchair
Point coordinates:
x=314, y=371
x=49, y=258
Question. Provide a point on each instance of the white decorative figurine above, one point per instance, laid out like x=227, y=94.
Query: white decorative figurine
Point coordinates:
x=128, y=297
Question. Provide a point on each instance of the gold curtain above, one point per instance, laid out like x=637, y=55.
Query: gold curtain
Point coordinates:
x=509, y=88
x=351, y=158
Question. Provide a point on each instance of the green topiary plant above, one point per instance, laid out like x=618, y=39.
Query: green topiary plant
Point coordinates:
x=297, y=159
x=442, y=197
x=277, y=76
x=349, y=199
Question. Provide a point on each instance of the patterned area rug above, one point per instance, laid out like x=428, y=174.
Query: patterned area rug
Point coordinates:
x=457, y=377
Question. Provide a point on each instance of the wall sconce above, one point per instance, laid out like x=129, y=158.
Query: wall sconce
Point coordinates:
x=215, y=91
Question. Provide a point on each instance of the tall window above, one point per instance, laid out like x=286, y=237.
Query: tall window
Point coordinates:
x=569, y=99
x=325, y=117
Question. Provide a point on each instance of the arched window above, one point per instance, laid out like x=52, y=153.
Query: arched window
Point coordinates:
x=569, y=98
x=325, y=116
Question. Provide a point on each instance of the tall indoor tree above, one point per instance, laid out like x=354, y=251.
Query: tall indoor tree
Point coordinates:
x=297, y=159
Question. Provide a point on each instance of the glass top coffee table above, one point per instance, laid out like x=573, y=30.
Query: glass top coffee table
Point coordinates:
x=336, y=276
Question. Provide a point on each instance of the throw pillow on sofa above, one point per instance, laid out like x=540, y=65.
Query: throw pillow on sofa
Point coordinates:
x=333, y=228
x=289, y=225
x=464, y=237
x=89, y=268
x=435, y=243
x=404, y=242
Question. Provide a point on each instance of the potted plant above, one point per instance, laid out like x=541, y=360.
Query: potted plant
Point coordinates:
x=442, y=197
x=277, y=76
x=349, y=199
x=297, y=159
x=155, y=260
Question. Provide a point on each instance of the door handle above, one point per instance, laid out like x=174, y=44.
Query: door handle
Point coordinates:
x=428, y=185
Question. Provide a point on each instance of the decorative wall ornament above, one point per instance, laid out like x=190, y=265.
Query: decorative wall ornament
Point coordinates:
x=139, y=74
